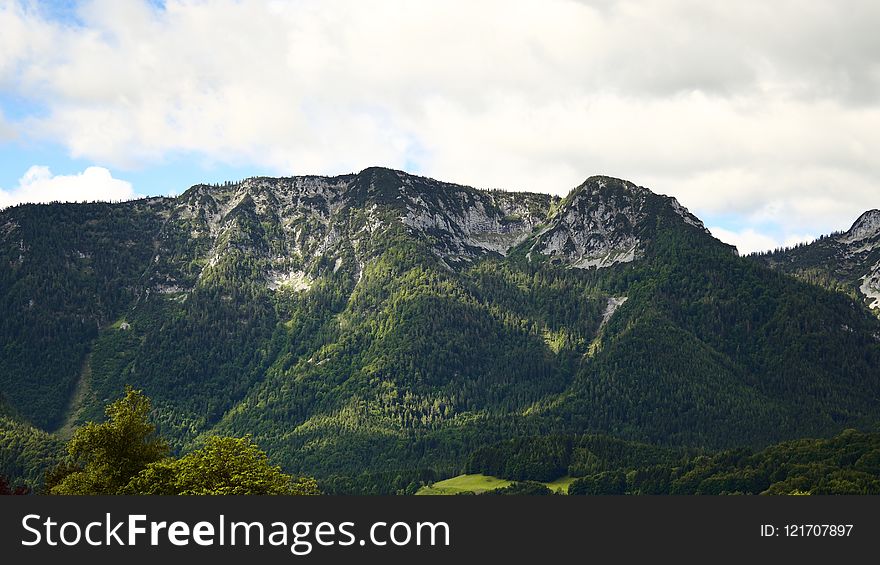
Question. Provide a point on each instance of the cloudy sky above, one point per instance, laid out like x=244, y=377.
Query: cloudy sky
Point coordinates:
x=762, y=117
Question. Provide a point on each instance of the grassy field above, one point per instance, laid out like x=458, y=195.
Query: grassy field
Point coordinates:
x=464, y=483
x=561, y=484
x=482, y=483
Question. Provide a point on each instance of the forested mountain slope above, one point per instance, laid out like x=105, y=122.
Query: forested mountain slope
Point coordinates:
x=848, y=261
x=390, y=324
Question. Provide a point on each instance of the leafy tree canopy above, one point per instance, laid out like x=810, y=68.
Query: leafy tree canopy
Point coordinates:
x=125, y=456
x=225, y=465
x=107, y=455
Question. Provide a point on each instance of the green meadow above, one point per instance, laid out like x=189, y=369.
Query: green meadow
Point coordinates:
x=479, y=484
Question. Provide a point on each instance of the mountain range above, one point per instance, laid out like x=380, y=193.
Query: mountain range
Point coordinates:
x=382, y=324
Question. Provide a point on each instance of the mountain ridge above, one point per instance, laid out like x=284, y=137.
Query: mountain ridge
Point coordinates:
x=847, y=260
x=383, y=322
x=464, y=223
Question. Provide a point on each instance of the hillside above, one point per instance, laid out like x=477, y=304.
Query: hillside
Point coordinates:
x=847, y=261
x=377, y=329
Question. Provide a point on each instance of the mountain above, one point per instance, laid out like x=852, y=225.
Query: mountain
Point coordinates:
x=377, y=329
x=848, y=261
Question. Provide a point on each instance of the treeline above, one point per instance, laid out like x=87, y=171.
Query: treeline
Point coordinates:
x=544, y=459
x=848, y=463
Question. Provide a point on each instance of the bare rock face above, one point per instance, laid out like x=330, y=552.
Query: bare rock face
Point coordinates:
x=598, y=225
x=467, y=223
x=292, y=231
x=862, y=243
x=607, y=221
x=866, y=228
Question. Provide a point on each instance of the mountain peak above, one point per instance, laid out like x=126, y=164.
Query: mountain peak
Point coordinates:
x=598, y=224
x=378, y=170
x=603, y=181
x=866, y=227
x=606, y=220
x=603, y=186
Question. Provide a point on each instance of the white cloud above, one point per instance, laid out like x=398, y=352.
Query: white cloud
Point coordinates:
x=39, y=185
x=7, y=132
x=709, y=102
x=749, y=241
